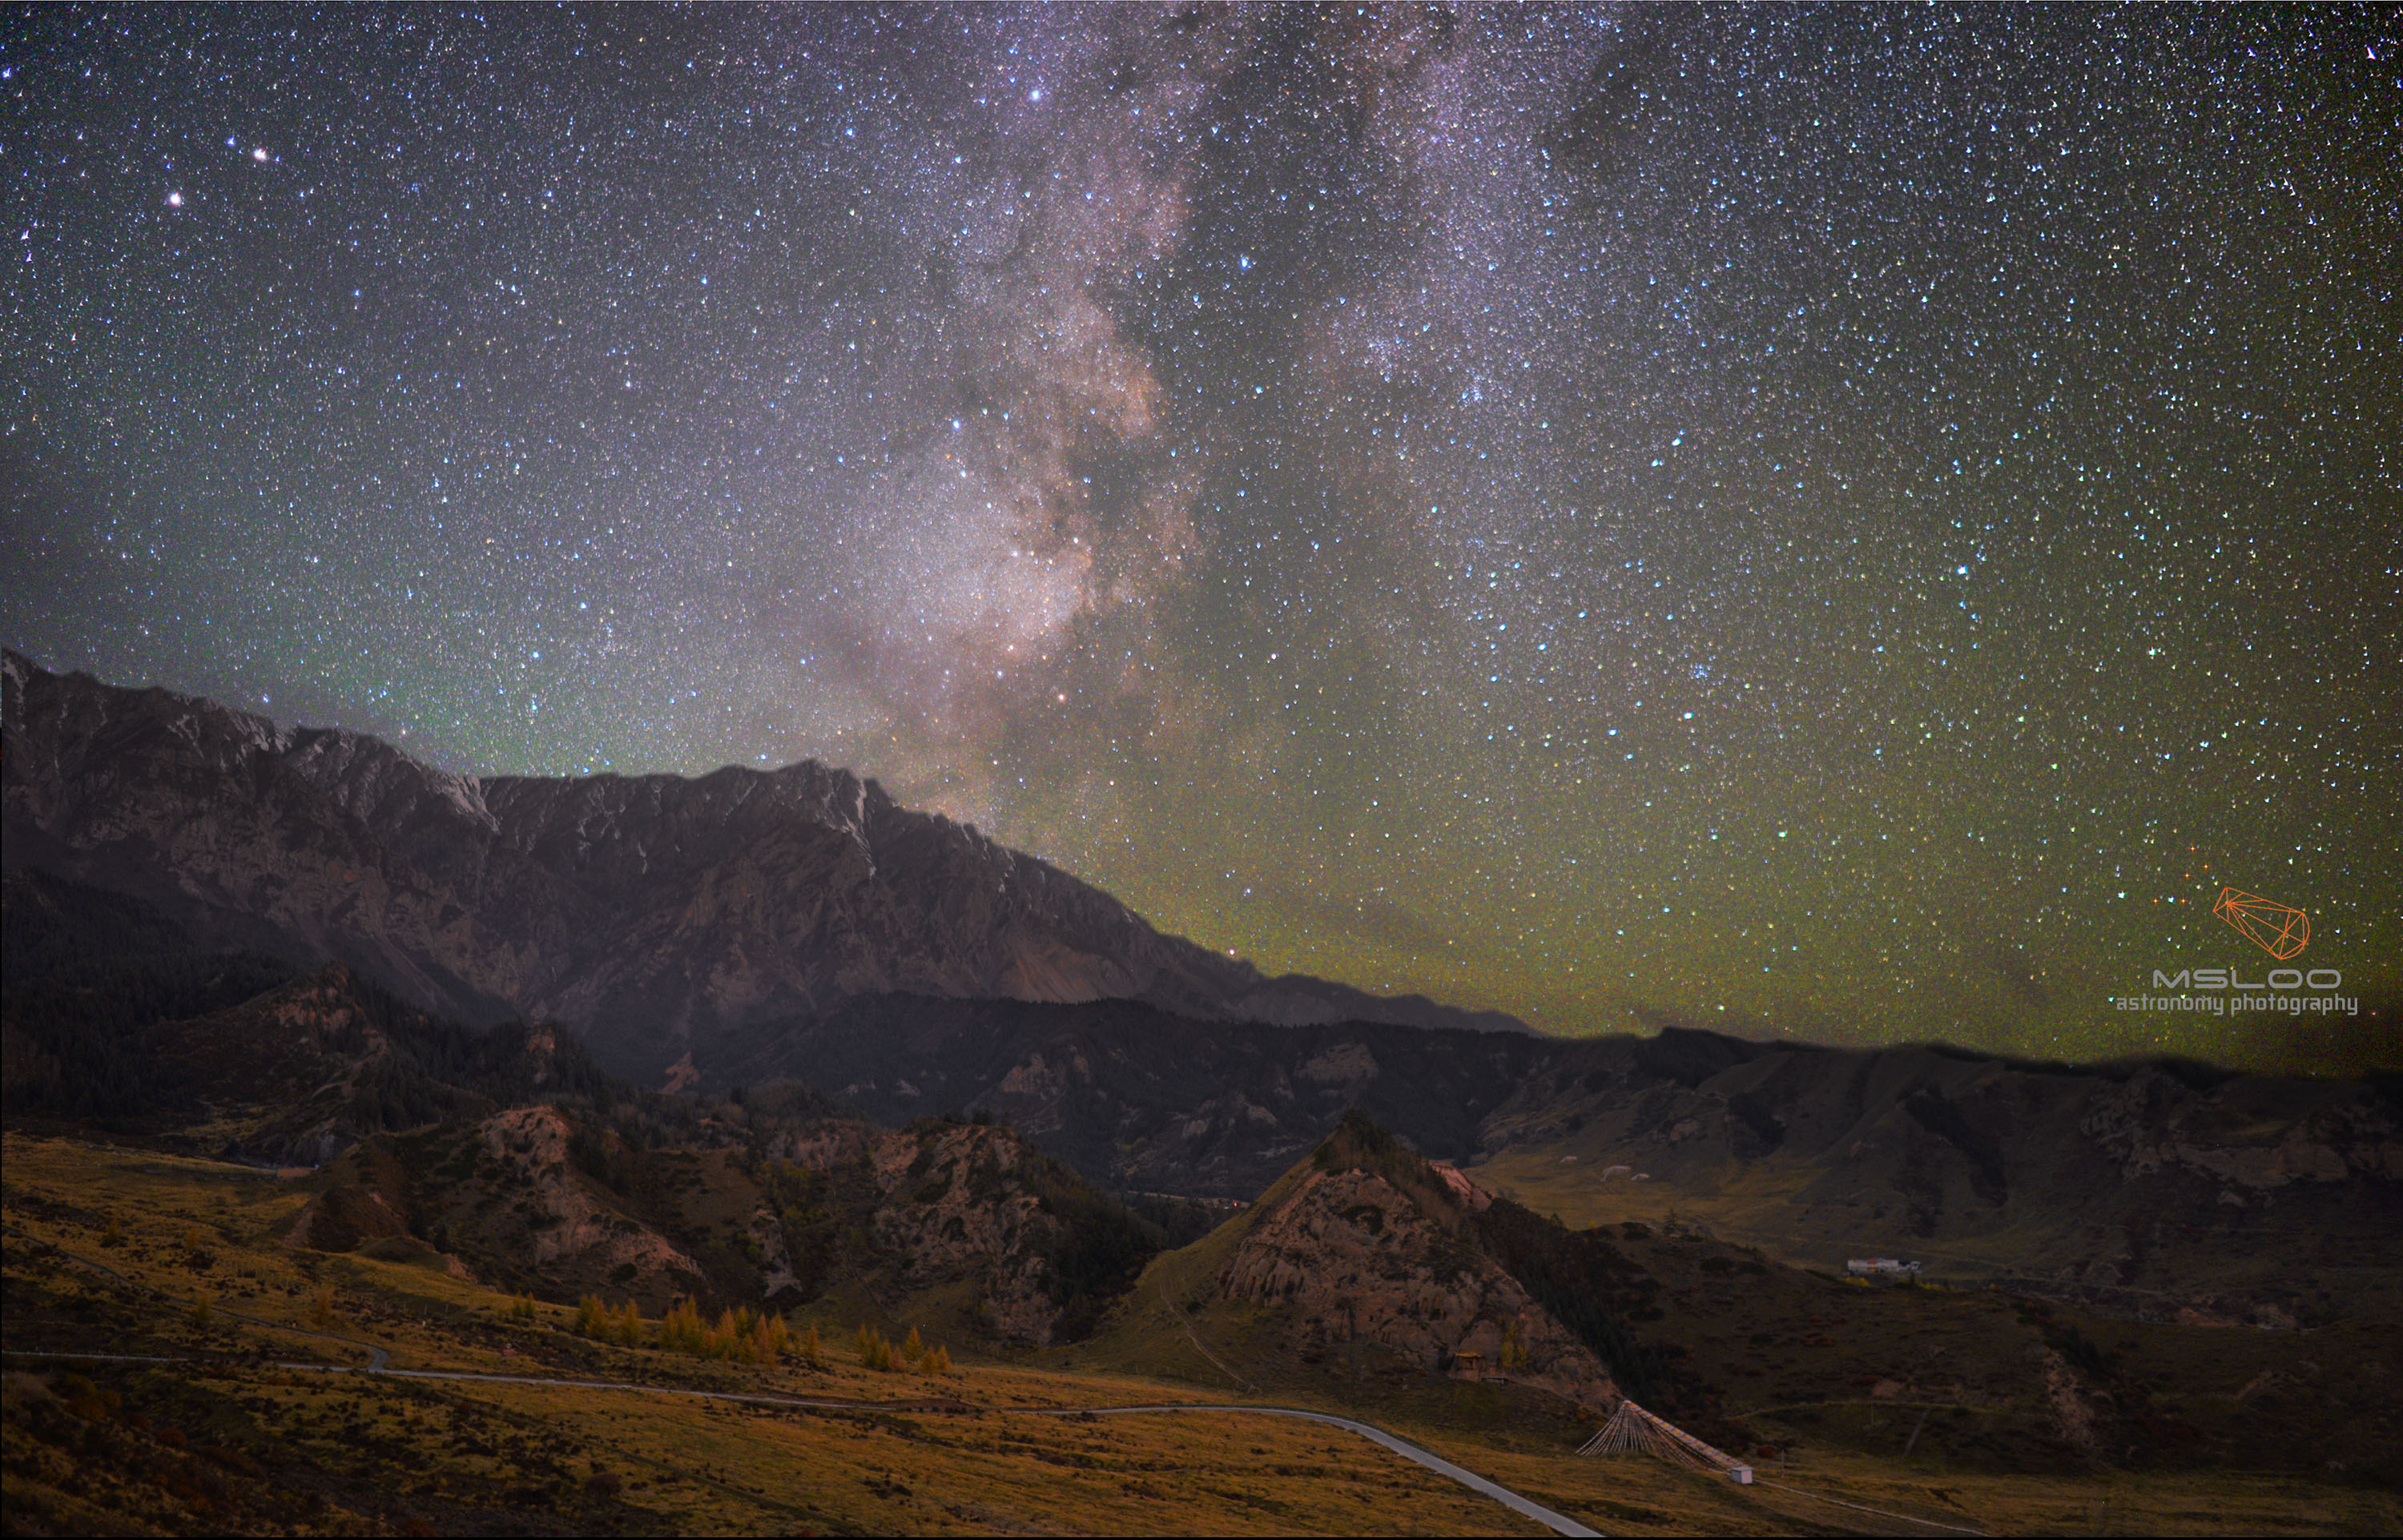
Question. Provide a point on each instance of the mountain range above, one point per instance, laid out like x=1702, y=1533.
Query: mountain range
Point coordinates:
x=649, y=914
x=174, y=863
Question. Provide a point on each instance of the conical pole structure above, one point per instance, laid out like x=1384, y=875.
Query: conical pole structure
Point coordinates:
x=1632, y=1428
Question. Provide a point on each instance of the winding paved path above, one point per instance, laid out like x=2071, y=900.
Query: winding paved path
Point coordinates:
x=380, y=1362
x=1557, y=1522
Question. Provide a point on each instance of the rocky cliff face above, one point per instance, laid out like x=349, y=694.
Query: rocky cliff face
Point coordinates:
x=1366, y=1243
x=650, y=913
x=506, y=1204
x=955, y=1203
x=748, y=1207
x=1362, y=1258
x=578, y=1231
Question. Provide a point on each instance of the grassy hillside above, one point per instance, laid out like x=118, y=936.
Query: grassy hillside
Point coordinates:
x=233, y=1443
x=230, y=1441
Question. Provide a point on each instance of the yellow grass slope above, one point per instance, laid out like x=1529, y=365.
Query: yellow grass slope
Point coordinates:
x=117, y=1250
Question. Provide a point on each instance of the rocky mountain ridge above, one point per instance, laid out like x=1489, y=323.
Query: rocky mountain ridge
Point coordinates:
x=1138, y=1098
x=646, y=914
x=1364, y=1242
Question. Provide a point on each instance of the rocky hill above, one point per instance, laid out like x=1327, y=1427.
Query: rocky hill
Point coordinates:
x=1364, y=1261
x=764, y=1203
x=1365, y=1242
x=648, y=913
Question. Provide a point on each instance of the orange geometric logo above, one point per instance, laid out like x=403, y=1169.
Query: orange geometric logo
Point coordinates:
x=2276, y=928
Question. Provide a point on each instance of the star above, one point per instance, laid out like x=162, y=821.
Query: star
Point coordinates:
x=1853, y=524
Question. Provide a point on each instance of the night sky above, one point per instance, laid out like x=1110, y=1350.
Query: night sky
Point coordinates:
x=1842, y=522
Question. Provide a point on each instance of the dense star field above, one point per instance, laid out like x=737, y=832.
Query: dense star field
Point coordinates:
x=1843, y=523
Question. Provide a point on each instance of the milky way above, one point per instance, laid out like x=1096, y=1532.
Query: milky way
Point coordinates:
x=1844, y=523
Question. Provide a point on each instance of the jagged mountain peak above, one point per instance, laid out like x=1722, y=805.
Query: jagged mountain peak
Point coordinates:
x=207, y=728
x=645, y=911
x=374, y=779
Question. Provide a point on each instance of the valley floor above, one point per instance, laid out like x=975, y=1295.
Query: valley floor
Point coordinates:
x=135, y=1253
